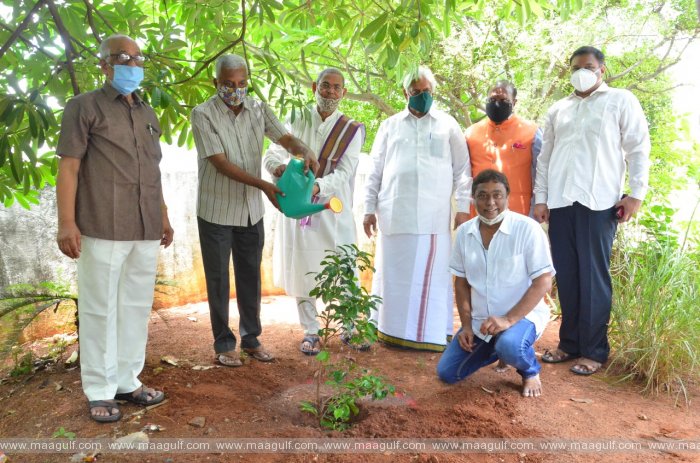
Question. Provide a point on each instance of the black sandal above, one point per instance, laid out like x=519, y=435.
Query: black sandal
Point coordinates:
x=109, y=405
x=312, y=340
x=142, y=398
x=552, y=356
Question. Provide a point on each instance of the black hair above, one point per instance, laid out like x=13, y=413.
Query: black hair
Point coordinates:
x=490, y=175
x=507, y=85
x=587, y=50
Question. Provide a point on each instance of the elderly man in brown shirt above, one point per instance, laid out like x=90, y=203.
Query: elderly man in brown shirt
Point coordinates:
x=112, y=218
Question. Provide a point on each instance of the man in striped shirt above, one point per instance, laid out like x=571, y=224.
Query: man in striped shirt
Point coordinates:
x=228, y=130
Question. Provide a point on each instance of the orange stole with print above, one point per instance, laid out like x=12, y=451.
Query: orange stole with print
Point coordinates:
x=336, y=144
x=506, y=147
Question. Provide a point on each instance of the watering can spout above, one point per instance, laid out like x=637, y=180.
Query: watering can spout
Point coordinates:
x=297, y=187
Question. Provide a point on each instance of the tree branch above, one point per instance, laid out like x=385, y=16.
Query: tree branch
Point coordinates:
x=91, y=21
x=376, y=100
x=23, y=25
x=66, y=38
x=208, y=61
x=99, y=15
x=28, y=42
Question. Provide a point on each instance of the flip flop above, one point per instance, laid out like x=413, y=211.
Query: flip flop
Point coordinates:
x=554, y=357
x=142, y=398
x=582, y=369
x=109, y=405
x=346, y=339
x=313, y=341
x=258, y=353
x=229, y=361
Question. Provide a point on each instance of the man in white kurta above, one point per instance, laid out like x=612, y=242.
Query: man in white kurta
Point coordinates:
x=300, y=245
x=420, y=160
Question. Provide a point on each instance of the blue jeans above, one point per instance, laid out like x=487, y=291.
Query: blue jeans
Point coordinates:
x=513, y=346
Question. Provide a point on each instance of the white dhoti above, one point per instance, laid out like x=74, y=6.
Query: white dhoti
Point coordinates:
x=412, y=278
x=298, y=252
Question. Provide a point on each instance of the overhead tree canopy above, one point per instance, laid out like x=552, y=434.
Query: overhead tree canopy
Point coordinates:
x=48, y=53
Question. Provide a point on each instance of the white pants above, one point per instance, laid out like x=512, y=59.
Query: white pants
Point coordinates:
x=115, y=296
x=308, y=315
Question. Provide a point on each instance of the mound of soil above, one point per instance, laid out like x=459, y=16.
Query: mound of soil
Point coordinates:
x=262, y=400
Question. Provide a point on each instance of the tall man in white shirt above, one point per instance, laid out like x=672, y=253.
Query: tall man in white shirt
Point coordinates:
x=228, y=131
x=420, y=160
x=502, y=271
x=590, y=137
x=300, y=245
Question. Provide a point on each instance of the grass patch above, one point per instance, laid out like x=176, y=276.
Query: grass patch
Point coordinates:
x=655, y=326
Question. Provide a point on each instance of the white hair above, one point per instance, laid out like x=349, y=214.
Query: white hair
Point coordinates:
x=105, y=51
x=230, y=62
x=422, y=71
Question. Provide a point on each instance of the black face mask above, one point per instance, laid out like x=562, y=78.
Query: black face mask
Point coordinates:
x=499, y=111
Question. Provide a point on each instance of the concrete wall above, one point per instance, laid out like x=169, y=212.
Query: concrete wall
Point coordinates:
x=28, y=250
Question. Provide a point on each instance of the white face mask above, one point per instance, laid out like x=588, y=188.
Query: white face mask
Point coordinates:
x=326, y=105
x=498, y=219
x=584, y=79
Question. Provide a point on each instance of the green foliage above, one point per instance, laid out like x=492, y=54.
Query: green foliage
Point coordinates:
x=347, y=302
x=655, y=328
x=62, y=433
x=22, y=362
x=347, y=307
x=20, y=304
x=49, y=53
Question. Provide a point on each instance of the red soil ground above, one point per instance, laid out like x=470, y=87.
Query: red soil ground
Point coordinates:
x=262, y=400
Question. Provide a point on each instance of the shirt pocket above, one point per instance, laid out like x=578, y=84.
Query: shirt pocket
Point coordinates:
x=510, y=270
x=438, y=145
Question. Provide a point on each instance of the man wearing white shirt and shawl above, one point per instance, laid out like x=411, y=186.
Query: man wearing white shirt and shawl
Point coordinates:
x=590, y=139
x=420, y=161
x=300, y=245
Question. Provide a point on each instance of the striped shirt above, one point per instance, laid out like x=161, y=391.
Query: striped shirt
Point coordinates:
x=217, y=130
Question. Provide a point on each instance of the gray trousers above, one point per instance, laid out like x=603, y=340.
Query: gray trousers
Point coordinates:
x=218, y=243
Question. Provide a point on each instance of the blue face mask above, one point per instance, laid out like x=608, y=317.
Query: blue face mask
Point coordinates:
x=421, y=102
x=126, y=78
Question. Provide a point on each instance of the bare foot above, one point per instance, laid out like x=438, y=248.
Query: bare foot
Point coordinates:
x=532, y=386
x=502, y=367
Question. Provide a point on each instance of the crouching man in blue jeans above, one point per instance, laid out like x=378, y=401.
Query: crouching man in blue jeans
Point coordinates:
x=503, y=268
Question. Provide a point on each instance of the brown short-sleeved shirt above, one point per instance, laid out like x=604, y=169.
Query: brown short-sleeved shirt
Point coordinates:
x=119, y=187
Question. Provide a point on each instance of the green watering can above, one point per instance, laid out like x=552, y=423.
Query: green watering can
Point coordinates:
x=297, y=187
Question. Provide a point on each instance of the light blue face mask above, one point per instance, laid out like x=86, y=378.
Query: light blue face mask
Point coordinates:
x=127, y=78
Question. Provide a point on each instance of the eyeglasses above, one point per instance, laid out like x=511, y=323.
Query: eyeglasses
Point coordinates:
x=124, y=58
x=326, y=86
x=485, y=196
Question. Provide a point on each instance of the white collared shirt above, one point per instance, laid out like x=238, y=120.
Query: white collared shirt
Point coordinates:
x=418, y=164
x=585, y=146
x=501, y=275
x=216, y=130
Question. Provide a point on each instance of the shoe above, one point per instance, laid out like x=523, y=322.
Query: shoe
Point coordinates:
x=142, y=398
x=312, y=340
x=229, y=360
x=109, y=405
x=586, y=369
x=346, y=339
x=557, y=356
x=258, y=353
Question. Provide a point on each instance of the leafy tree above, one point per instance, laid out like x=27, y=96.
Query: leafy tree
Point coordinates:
x=48, y=52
